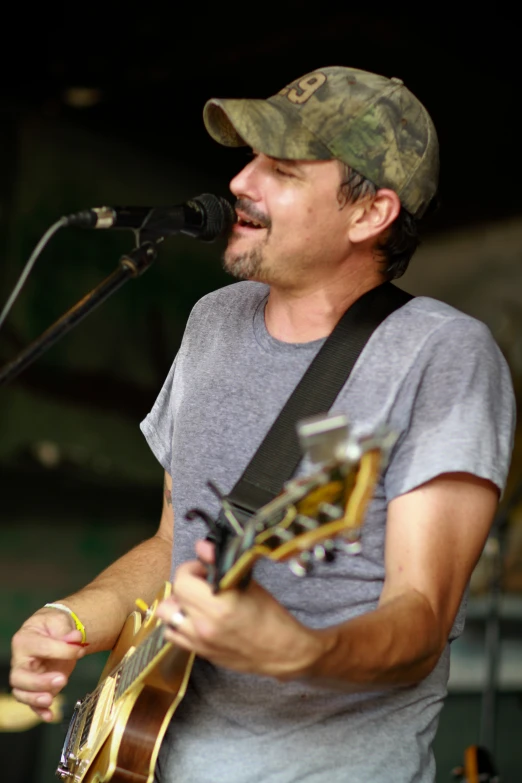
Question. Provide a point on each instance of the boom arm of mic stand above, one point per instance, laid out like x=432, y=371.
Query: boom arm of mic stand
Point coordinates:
x=131, y=265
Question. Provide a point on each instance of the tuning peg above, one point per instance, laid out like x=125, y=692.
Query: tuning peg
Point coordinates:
x=228, y=511
x=325, y=551
x=307, y=523
x=283, y=534
x=301, y=565
x=330, y=511
x=350, y=546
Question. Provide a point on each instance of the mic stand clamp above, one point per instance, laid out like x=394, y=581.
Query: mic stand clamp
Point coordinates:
x=139, y=259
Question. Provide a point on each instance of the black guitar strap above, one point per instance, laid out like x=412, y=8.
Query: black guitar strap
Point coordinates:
x=277, y=457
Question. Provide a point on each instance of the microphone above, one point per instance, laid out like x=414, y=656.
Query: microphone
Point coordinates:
x=204, y=217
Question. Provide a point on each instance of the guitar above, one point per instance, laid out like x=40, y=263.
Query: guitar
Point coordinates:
x=116, y=731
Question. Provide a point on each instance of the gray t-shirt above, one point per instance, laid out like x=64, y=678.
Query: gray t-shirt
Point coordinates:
x=433, y=375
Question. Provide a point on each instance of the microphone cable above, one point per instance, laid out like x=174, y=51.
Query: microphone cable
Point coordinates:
x=29, y=265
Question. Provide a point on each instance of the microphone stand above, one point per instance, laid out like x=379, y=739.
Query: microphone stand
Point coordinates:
x=130, y=265
x=493, y=621
x=479, y=760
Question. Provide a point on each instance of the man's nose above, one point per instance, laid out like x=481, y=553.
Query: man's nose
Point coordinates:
x=244, y=183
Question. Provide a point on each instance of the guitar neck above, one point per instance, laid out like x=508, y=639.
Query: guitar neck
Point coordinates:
x=142, y=657
x=125, y=674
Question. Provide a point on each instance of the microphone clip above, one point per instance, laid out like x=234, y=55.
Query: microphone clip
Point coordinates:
x=139, y=259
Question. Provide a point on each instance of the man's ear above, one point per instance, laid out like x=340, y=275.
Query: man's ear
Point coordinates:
x=373, y=216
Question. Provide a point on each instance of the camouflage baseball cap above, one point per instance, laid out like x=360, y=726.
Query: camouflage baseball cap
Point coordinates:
x=372, y=123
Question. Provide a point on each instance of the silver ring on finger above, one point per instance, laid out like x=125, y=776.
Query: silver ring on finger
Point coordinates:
x=177, y=620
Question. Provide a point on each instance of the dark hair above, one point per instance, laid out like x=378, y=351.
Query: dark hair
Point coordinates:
x=399, y=242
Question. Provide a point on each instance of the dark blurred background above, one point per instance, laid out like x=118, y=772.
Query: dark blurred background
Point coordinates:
x=102, y=105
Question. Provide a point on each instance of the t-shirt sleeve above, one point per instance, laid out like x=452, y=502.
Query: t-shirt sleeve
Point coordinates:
x=459, y=406
x=158, y=425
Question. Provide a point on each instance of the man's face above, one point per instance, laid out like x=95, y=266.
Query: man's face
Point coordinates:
x=291, y=224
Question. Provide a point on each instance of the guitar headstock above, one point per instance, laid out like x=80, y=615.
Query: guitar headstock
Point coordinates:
x=315, y=516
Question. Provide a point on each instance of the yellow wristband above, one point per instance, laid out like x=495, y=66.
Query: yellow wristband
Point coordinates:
x=78, y=623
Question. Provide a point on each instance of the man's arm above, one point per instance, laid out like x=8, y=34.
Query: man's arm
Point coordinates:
x=435, y=535
x=105, y=603
x=42, y=654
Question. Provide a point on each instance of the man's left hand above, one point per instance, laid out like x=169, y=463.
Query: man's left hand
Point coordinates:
x=244, y=630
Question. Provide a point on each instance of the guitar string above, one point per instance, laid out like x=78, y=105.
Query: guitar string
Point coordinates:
x=126, y=672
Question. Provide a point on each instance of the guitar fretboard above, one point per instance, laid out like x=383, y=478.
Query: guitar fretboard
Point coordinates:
x=140, y=659
x=125, y=674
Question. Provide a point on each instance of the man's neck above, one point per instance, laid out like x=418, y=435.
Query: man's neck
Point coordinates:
x=311, y=313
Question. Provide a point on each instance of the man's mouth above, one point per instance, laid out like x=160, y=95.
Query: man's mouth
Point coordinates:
x=249, y=217
x=248, y=223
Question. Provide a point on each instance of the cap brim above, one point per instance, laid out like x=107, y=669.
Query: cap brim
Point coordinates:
x=263, y=125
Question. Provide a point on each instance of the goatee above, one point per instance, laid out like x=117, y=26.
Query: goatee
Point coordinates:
x=244, y=266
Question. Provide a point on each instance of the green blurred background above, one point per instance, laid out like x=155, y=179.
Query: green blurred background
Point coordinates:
x=104, y=107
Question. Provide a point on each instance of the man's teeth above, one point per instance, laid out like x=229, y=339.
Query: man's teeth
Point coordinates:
x=251, y=223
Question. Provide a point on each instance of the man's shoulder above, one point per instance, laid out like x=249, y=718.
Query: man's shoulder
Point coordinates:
x=425, y=318
x=428, y=331
x=434, y=311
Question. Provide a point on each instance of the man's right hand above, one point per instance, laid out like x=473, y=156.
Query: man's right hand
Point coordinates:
x=44, y=653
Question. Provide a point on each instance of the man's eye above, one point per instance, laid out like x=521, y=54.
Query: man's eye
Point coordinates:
x=283, y=172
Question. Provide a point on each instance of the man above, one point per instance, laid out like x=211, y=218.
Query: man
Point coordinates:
x=341, y=676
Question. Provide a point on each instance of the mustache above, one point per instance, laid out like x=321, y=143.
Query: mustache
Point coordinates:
x=252, y=212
